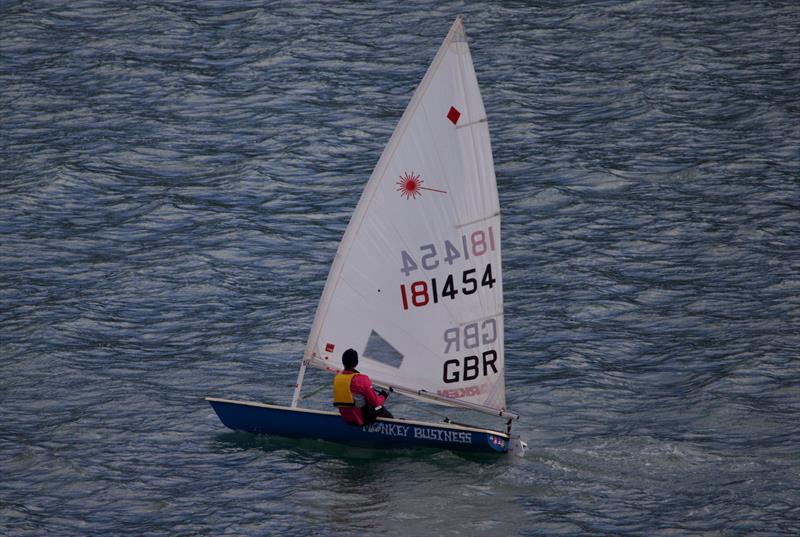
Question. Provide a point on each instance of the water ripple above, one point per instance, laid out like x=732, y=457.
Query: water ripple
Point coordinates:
x=174, y=181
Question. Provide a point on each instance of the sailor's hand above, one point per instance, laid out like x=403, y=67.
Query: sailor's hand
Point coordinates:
x=383, y=393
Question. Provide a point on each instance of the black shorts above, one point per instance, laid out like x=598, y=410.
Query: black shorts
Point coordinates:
x=369, y=414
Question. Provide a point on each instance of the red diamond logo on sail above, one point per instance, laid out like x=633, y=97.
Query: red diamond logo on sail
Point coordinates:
x=453, y=115
x=329, y=347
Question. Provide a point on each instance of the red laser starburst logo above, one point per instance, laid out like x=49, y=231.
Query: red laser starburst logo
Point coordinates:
x=410, y=186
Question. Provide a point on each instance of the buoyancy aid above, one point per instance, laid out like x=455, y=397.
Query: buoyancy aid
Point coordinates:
x=342, y=394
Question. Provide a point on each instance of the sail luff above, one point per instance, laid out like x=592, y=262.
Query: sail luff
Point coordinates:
x=370, y=189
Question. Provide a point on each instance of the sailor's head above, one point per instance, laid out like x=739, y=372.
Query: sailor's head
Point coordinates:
x=350, y=359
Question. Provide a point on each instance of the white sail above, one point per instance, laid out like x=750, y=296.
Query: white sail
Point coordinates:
x=416, y=286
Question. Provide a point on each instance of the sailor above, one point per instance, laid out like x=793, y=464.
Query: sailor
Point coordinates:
x=354, y=395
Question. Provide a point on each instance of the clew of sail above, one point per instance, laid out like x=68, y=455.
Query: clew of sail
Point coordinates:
x=416, y=285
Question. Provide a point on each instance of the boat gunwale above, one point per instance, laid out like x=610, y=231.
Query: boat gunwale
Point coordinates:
x=399, y=421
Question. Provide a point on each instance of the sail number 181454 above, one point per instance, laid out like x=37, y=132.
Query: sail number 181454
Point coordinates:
x=424, y=292
x=475, y=244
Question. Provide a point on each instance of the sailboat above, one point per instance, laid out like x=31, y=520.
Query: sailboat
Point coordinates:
x=416, y=284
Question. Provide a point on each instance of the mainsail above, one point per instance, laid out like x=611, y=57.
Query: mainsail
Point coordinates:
x=416, y=285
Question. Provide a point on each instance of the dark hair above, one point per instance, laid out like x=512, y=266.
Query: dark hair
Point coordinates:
x=350, y=359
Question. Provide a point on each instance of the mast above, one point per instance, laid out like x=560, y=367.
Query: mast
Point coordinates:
x=299, y=384
x=358, y=215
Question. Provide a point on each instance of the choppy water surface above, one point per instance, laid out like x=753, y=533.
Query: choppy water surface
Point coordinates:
x=175, y=180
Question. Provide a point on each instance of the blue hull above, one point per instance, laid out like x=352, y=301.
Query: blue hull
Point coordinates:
x=259, y=418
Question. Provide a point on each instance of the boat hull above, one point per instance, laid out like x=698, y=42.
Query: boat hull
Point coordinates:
x=260, y=418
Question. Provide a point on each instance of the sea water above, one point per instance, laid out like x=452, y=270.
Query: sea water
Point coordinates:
x=174, y=181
